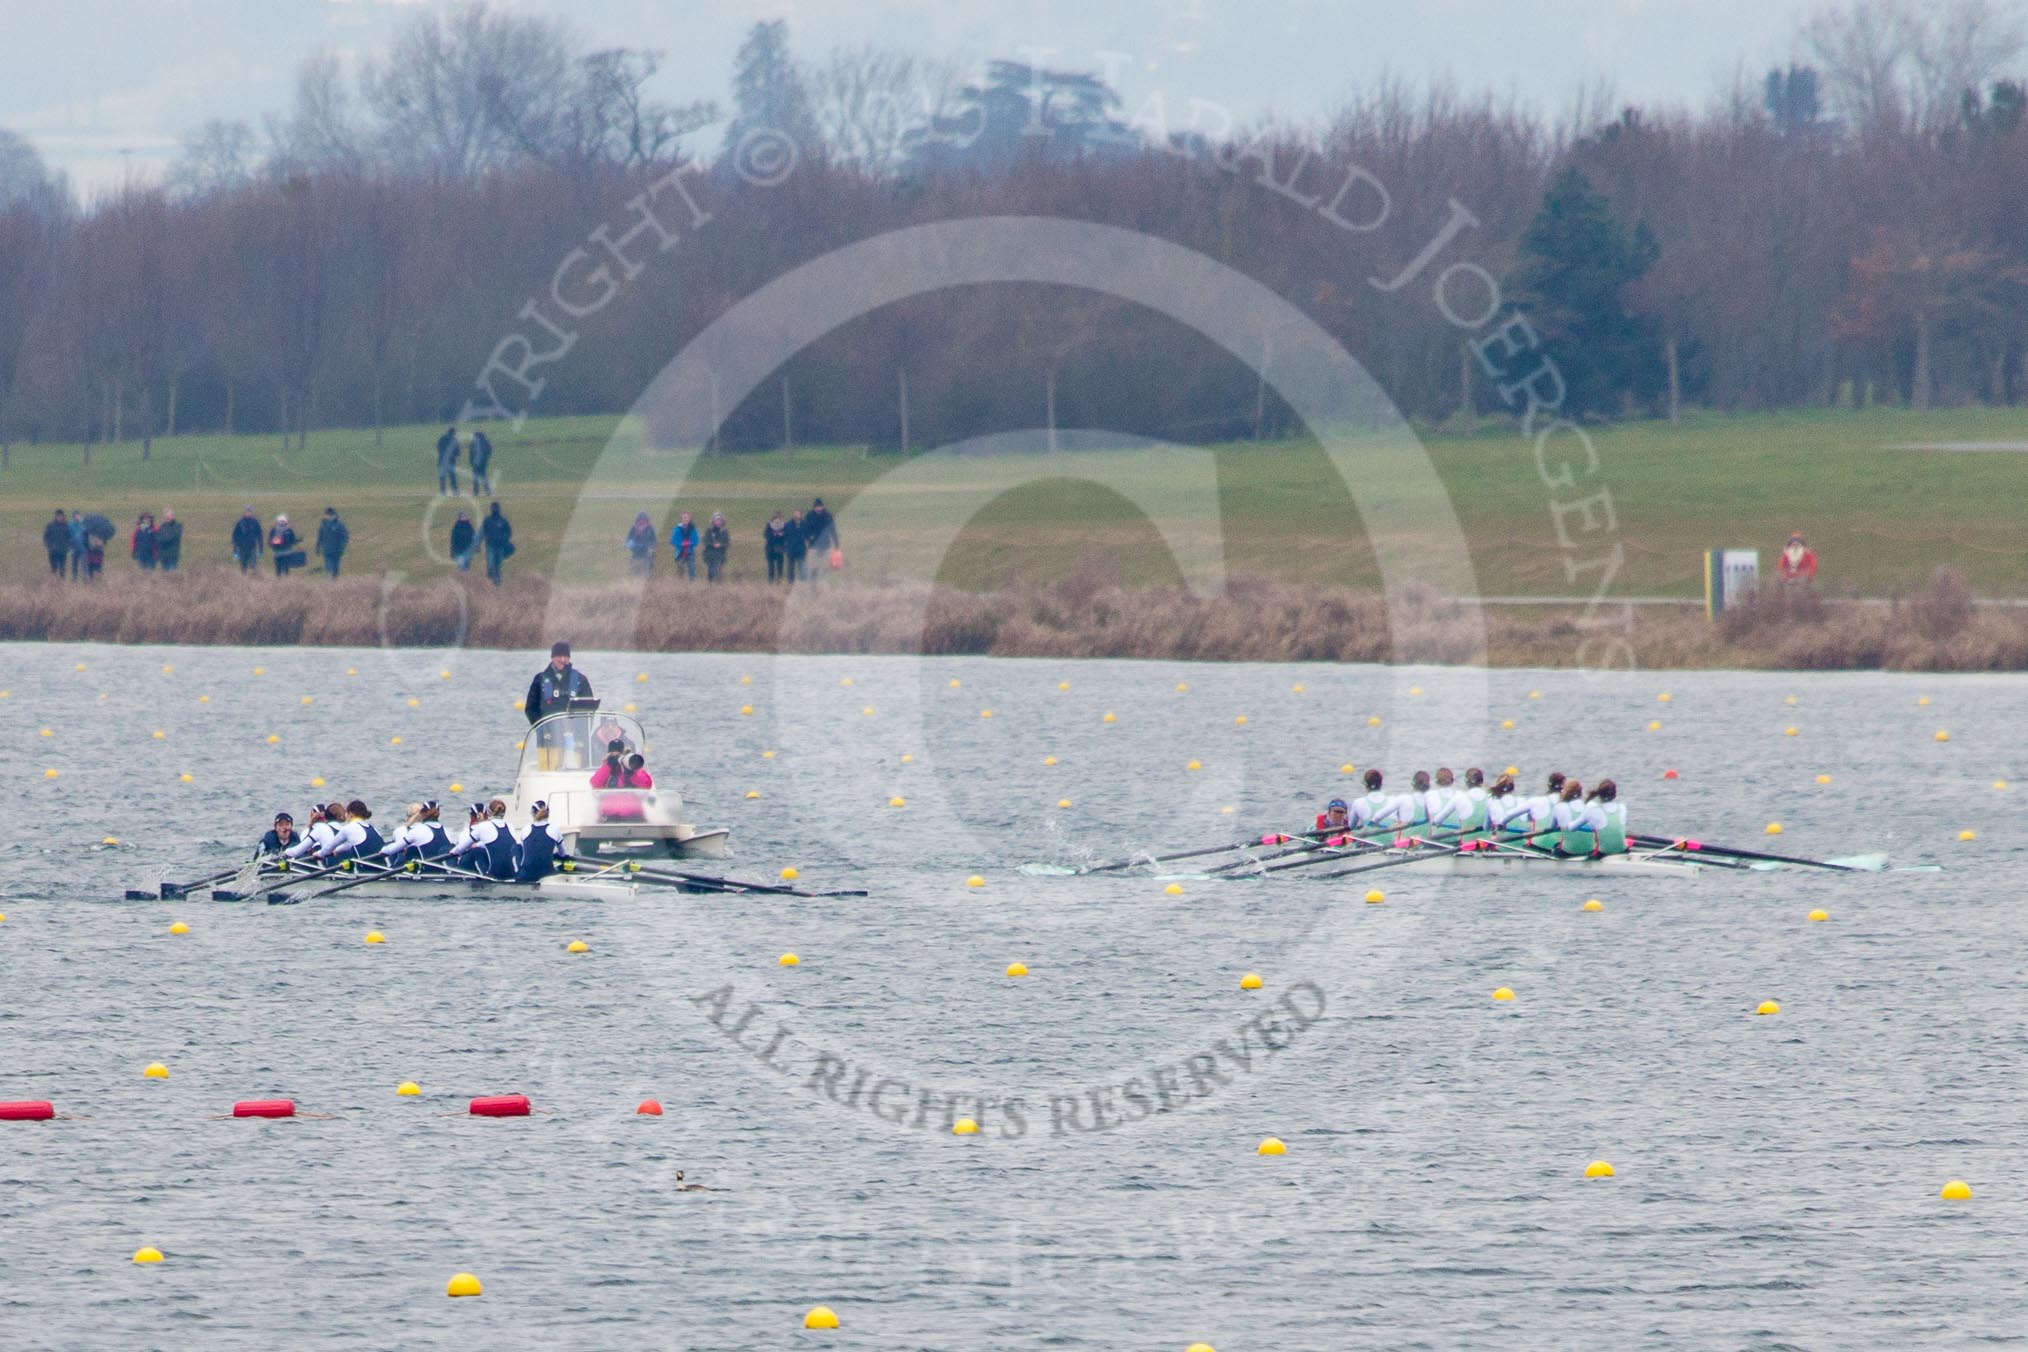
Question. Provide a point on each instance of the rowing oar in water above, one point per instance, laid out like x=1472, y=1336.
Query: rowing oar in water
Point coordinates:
x=1251, y=842
x=707, y=881
x=1689, y=846
x=284, y=876
x=1366, y=847
x=176, y=891
x=1333, y=846
x=1441, y=846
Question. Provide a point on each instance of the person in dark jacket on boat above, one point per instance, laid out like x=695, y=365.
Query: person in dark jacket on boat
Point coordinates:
x=280, y=837
x=556, y=685
x=332, y=538
x=56, y=542
x=246, y=541
x=168, y=541
x=464, y=541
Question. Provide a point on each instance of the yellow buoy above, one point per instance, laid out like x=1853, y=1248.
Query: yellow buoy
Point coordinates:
x=1063, y=802
x=1942, y=736
x=1347, y=768
x=110, y=840
x=187, y=777
x=456, y=787
x=1227, y=810
x=1957, y=1190
x=577, y=946
x=155, y=1070
x=1017, y=969
x=1772, y=829
x=1767, y=1007
x=1654, y=725
x=1250, y=982
x=1200, y=1347
x=1109, y=718
x=1594, y=904
x=745, y=709
x=274, y=737
x=975, y=881
x=1049, y=760
x=204, y=699
x=964, y=1126
x=1512, y=770
x=1503, y=993
x=1271, y=1146
x=1789, y=731
x=1662, y=698
x=1173, y=890
x=847, y=680
x=317, y=782
x=1820, y=914
x=407, y=1089
x=258, y=671
x=955, y=683
x=1415, y=690
x=640, y=677
x=308, y=700
x=1598, y=1169
x=375, y=937
x=753, y=793
x=179, y=928
x=1194, y=765
x=1239, y=721
x=160, y=735
x=1922, y=699
x=866, y=712
x=629, y=707
x=1968, y=834
x=768, y=754
x=352, y=671
x=148, y=1253
x=1535, y=694
x=1375, y=896
x=820, y=1317
x=1790, y=700
x=1373, y=721
x=746, y=680
x=985, y=713
x=168, y=670
x=1506, y=725
x=394, y=741
x=1063, y=685
x=464, y=1284
x=1823, y=779
x=1182, y=687
x=790, y=874
x=520, y=704
x=414, y=703
x=788, y=960
x=1295, y=690
x=897, y=801
x=1999, y=783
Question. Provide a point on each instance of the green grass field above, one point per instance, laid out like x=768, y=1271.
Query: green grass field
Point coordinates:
x=1879, y=518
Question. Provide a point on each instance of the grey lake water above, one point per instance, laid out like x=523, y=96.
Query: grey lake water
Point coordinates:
x=1776, y=1178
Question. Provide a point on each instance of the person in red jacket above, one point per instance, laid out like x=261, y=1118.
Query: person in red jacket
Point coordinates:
x=620, y=770
x=1334, y=817
x=1797, y=566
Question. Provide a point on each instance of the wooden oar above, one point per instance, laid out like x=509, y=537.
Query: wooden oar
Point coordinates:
x=1689, y=846
x=1251, y=842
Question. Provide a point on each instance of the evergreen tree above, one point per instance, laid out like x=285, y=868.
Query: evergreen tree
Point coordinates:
x=1579, y=261
x=768, y=96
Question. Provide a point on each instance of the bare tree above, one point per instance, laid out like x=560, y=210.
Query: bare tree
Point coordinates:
x=865, y=99
x=441, y=92
x=322, y=131
x=1959, y=47
x=1861, y=47
x=219, y=156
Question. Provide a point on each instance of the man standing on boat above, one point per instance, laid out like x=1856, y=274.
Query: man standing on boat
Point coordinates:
x=551, y=692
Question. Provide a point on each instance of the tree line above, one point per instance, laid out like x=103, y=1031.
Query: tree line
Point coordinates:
x=1852, y=229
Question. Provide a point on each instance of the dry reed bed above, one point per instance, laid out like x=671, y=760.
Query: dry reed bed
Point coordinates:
x=1078, y=616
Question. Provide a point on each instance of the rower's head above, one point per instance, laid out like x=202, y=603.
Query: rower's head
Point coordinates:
x=413, y=815
x=1374, y=779
x=334, y=812
x=1572, y=791
x=430, y=811
x=496, y=809
x=1335, y=811
x=1503, y=786
x=475, y=814
x=1474, y=777
x=358, y=811
x=1444, y=777
x=1555, y=782
x=559, y=655
x=540, y=812
x=1419, y=781
x=1606, y=791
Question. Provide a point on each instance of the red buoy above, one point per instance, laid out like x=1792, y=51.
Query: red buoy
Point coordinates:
x=29, y=1110
x=501, y=1105
x=649, y=1108
x=264, y=1108
x=1668, y=774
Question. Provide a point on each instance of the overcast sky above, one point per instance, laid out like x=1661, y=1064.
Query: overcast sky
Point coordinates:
x=101, y=85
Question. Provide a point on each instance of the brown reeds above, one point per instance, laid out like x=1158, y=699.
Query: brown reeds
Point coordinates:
x=1085, y=614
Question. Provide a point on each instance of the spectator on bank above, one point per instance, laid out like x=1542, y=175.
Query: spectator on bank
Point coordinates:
x=498, y=534
x=820, y=528
x=282, y=540
x=332, y=538
x=246, y=540
x=1797, y=566
x=717, y=540
x=775, y=541
x=481, y=456
x=56, y=542
x=78, y=545
x=98, y=533
x=641, y=546
x=683, y=544
x=447, y=463
x=168, y=541
x=464, y=541
x=141, y=545
x=797, y=544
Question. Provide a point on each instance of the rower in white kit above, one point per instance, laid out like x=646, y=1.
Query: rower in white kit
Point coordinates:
x=1374, y=809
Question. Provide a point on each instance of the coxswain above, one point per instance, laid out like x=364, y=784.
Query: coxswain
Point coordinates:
x=1336, y=817
x=318, y=835
x=556, y=685
x=540, y=848
x=1612, y=827
x=280, y=837
x=1577, y=823
x=1373, y=809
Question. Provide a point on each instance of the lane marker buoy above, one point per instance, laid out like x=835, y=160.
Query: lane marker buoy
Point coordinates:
x=500, y=1105
x=463, y=1284
x=820, y=1317
x=1598, y=1169
x=1271, y=1146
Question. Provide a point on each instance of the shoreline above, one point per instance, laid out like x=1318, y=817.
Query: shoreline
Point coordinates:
x=1074, y=617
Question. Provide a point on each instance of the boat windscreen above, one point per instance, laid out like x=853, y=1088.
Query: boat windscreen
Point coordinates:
x=567, y=742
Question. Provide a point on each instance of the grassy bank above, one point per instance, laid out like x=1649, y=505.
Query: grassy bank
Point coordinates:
x=1880, y=517
x=1084, y=614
